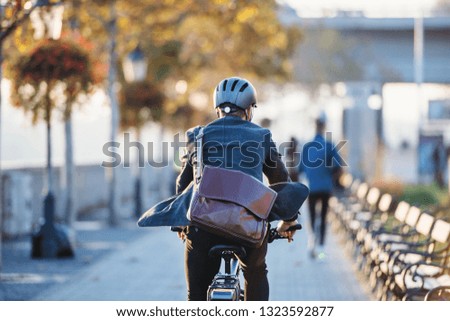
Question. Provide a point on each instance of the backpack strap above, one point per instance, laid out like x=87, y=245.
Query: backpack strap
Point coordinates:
x=199, y=150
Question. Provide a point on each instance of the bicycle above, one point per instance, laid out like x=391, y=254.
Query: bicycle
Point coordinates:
x=226, y=283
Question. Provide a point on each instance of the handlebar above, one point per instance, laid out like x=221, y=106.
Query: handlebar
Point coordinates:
x=273, y=234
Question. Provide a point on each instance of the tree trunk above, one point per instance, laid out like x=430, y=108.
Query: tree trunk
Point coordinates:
x=1, y=176
x=49, y=157
x=138, y=177
x=163, y=181
x=112, y=94
x=69, y=206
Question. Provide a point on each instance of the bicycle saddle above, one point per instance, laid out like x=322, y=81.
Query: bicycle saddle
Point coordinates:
x=224, y=250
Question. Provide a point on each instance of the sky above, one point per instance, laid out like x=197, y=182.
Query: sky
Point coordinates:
x=316, y=8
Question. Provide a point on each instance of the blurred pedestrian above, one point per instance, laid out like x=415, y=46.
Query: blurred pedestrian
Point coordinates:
x=292, y=159
x=438, y=164
x=320, y=162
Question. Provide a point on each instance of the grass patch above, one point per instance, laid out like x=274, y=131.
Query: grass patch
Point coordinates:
x=422, y=195
x=430, y=198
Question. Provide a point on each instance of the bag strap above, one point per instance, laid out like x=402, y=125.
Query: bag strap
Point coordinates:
x=199, y=149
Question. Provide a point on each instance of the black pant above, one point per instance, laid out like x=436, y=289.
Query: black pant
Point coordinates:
x=200, y=268
x=313, y=199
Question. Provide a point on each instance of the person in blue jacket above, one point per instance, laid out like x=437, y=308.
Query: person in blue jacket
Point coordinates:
x=232, y=141
x=320, y=161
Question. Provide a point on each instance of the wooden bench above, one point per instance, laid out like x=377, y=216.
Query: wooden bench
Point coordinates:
x=423, y=265
x=338, y=203
x=349, y=207
x=384, y=232
x=369, y=208
x=419, y=279
x=404, y=252
x=369, y=223
x=440, y=293
x=383, y=243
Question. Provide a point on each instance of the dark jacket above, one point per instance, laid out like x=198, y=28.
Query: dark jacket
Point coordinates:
x=319, y=161
x=231, y=143
x=237, y=144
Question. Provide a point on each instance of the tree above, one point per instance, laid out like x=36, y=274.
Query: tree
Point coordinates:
x=105, y=16
x=13, y=14
x=140, y=103
x=53, y=74
x=196, y=41
x=77, y=100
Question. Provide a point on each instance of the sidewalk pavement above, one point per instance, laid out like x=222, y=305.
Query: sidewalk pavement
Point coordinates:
x=23, y=278
x=150, y=268
x=132, y=263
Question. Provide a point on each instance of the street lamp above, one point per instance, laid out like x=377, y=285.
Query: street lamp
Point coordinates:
x=135, y=70
x=51, y=240
x=135, y=66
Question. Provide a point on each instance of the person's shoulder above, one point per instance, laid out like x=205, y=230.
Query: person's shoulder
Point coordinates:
x=191, y=132
x=319, y=137
x=257, y=132
x=257, y=127
x=323, y=141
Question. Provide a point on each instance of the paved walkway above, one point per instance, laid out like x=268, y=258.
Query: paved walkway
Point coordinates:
x=151, y=268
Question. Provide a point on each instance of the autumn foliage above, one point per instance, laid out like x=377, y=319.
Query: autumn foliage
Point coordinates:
x=53, y=65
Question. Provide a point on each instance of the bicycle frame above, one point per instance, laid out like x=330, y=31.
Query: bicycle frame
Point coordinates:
x=225, y=285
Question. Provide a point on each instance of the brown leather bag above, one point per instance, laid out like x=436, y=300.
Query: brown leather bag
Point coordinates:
x=230, y=203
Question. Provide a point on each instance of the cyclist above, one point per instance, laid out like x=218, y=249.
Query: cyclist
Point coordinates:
x=320, y=162
x=232, y=141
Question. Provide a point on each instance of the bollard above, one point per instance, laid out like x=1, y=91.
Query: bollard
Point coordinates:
x=51, y=241
x=137, y=198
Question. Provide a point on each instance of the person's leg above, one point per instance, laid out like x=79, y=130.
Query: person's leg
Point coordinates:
x=254, y=269
x=325, y=197
x=200, y=269
x=312, y=202
x=312, y=237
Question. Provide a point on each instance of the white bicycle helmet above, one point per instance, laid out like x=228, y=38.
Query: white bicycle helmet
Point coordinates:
x=235, y=91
